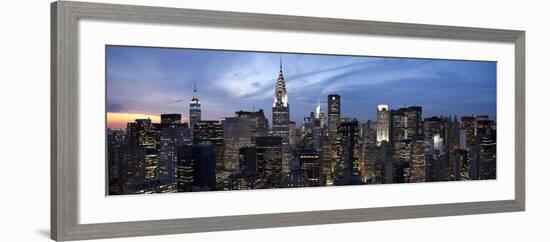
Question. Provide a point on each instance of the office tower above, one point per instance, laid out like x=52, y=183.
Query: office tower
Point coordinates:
x=418, y=161
x=310, y=163
x=116, y=140
x=406, y=126
x=139, y=162
x=184, y=168
x=211, y=131
x=237, y=133
x=196, y=168
x=455, y=135
x=204, y=166
x=398, y=132
x=320, y=114
x=260, y=125
x=459, y=164
x=434, y=133
x=368, y=133
x=308, y=125
x=168, y=158
x=317, y=133
x=194, y=109
x=292, y=134
x=376, y=157
x=348, y=149
x=474, y=161
x=170, y=118
x=270, y=159
x=326, y=158
x=334, y=116
x=247, y=159
x=382, y=124
x=486, y=136
x=414, y=122
x=173, y=134
x=468, y=128
x=281, y=115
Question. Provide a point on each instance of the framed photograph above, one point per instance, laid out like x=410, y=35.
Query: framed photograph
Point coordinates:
x=169, y=120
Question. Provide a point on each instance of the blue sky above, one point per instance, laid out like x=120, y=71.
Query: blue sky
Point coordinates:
x=160, y=80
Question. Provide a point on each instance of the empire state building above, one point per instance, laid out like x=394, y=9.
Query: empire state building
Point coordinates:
x=281, y=115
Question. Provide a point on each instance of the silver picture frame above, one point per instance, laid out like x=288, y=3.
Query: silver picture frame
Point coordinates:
x=64, y=118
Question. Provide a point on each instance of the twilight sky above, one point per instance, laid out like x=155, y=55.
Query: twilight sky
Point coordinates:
x=145, y=82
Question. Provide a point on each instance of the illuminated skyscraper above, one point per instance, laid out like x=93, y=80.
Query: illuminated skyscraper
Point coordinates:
x=211, y=131
x=194, y=109
x=348, y=147
x=269, y=160
x=334, y=118
x=383, y=124
x=310, y=163
x=281, y=115
x=334, y=115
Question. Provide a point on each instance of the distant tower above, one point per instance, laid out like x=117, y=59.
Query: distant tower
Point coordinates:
x=281, y=114
x=383, y=124
x=194, y=109
x=320, y=114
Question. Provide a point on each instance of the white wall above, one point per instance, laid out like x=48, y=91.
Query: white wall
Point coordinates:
x=24, y=81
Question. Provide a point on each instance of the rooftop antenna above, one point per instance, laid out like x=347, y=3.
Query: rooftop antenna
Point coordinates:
x=195, y=88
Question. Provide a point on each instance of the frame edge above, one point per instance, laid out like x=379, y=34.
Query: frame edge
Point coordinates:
x=64, y=213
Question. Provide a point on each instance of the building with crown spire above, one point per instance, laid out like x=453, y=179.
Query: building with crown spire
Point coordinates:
x=281, y=115
x=194, y=109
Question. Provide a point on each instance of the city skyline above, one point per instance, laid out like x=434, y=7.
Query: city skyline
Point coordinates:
x=306, y=145
x=146, y=82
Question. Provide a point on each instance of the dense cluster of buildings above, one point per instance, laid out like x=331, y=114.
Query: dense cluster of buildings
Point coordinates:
x=244, y=152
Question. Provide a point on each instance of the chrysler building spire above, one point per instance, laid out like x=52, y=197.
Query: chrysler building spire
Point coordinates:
x=281, y=98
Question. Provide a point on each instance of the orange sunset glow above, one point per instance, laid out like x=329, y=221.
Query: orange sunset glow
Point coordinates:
x=119, y=120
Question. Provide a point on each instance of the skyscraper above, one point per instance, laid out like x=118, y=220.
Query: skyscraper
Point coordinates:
x=281, y=115
x=194, y=109
x=173, y=134
x=211, y=131
x=334, y=114
x=269, y=160
x=204, y=166
x=334, y=118
x=310, y=163
x=348, y=148
x=257, y=119
x=237, y=133
x=382, y=124
x=141, y=161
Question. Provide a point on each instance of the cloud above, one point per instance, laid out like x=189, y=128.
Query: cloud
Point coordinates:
x=115, y=108
x=175, y=101
x=160, y=80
